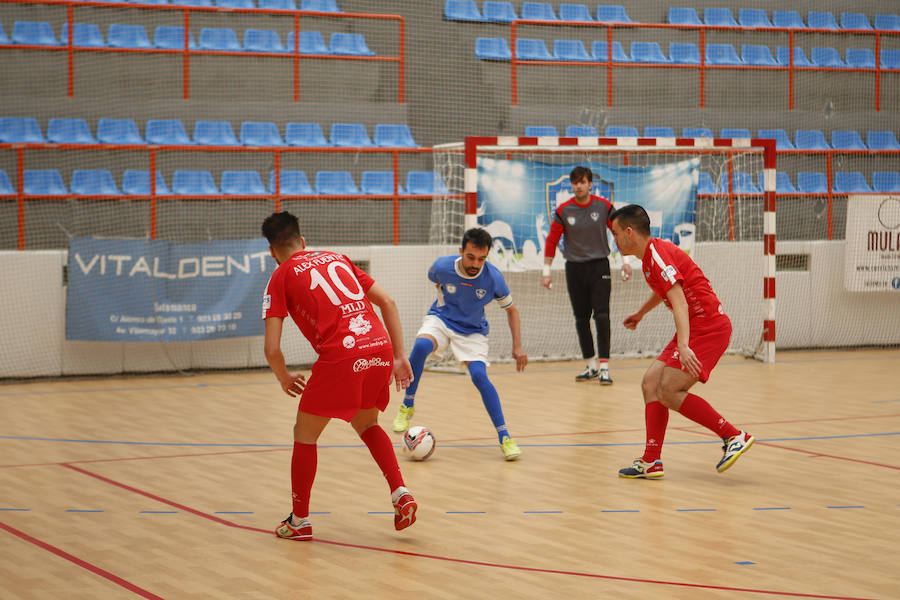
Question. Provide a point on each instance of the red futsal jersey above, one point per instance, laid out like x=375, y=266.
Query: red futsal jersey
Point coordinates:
x=665, y=264
x=325, y=295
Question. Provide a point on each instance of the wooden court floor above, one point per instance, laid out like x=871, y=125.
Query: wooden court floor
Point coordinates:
x=170, y=487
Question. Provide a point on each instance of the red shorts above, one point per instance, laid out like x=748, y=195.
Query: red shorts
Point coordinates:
x=341, y=388
x=709, y=341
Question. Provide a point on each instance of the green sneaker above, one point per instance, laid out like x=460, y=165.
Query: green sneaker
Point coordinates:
x=401, y=423
x=510, y=449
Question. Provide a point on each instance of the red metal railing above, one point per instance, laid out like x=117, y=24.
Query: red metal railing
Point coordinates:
x=702, y=67
x=294, y=53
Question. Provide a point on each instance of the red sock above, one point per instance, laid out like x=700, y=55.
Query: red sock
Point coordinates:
x=303, y=472
x=656, y=416
x=382, y=450
x=699, y=411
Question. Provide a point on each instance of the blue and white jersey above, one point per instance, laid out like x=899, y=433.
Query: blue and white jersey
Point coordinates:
x=461, y=299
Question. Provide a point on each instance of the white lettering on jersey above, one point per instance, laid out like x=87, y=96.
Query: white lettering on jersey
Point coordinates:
x=668, y=271
x=359, y=325
x=363, y=364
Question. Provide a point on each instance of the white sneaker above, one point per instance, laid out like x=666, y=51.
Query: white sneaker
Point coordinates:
x=733, y=448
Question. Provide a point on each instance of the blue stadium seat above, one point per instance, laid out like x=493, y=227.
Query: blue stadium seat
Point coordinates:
x=647, y=52
x=425, y=183
x=753, y=17
x=852, y=182
x=277, y=5
x=350, y=44
x=3, y=40
x=537, y=11
x=826, y=57
x=621, y=131
x=242, y=183
x=527, y=49
x=734, y=132
x=887, y=22
x=758, y=55
x=890, y=58
x=651, y=131
x=683, y=16
x=87, y=35
x=787, y=18
x=782, y=141
x=166, y=132
x=349, y=135
x=193, y=182
x=783, y=183
x=118, y=131
x=6, y=187
x=541, y=131
x=293, y=183
x=684, y=53
x=304, y=134
x=93, y=182
x=782, y=55
x=260, y=133
x=69, y=131
x=393, y=135
x=599, y=52
x=722, y=54
x=127, y=36
x=719, y=16
x=263, y=40
x=335, y=182
x=214, y=133
x=812, y=183
x=572, y=50
x=462, y=10
x=581, y=131
x=820, y=20
x=33, y=33
x=311, y=42
x=612, y=13
x=705, y=184
x=169, y=37
x=492, y=49
x=21, y=130
x=236, y=3
x=860, y=58
x=847, y=140
x=886, y=181
x=810, y=139
x=148, y=1
x=221, y=39
x=855, y=21
x=320, y=5
x=742, y=183
x=379, y=183
x=696, y=132
x=499, y=11
x=192, y=2
x=137, y=182
x=574, y=12
x=882, y=140
x=44, y=182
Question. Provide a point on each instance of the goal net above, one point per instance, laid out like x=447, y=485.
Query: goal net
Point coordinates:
x=707, y=196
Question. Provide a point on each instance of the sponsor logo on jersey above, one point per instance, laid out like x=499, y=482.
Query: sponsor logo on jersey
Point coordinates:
x=267, y=302
x=669, y=273
x=595, y=216
x=451, y=289
x=364, y=364
x=359, y=325
x=480, y=293
x=349, y=341
x=570, y=219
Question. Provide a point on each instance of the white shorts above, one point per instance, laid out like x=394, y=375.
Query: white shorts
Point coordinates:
x=466, y=347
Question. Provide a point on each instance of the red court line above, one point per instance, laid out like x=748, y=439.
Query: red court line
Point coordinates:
x=83, y=564
x=450, y=559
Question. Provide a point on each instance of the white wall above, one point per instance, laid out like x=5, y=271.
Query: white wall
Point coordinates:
x=813, y=310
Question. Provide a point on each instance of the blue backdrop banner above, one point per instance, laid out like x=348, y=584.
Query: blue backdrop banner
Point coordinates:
x=517, y=198
x=153, y=291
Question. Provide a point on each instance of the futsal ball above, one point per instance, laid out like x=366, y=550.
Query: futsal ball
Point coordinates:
x=418, y=443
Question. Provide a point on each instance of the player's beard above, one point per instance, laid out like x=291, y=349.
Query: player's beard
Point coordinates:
x=472, y=271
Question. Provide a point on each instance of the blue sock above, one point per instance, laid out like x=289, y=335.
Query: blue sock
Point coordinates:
x=478, y=372
x=421, y=349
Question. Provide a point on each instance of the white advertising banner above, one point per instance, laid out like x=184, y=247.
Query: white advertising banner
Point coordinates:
x=872, y=256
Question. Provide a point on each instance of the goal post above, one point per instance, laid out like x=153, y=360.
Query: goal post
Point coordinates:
x=713, y=197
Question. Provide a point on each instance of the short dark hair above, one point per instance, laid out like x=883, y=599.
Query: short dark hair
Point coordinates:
x=579, y=173
x=634, y=216
x=478, y=237
x=281, y=228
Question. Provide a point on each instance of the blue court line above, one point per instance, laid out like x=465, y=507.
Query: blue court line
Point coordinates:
x=744, y=562
x=324, y=512
x=83, y=510
x=16, y=509
x=620, y=510
x=159, y=512
x=772, y=508
x=696, y=509
x=849, y=506
x=542, y=512
x=379, y=512
x=233, y=512
x=466, y=512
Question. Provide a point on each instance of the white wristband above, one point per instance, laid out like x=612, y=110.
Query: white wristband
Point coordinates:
x=546, y=271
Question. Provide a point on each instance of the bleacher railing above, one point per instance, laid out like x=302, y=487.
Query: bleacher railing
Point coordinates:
x=703, y=66
x=187, y=52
